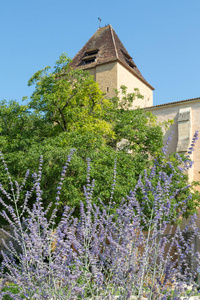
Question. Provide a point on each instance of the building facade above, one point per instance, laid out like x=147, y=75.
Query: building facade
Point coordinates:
x=108, y=61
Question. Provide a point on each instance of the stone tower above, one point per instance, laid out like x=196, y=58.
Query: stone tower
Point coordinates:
x=107, y=60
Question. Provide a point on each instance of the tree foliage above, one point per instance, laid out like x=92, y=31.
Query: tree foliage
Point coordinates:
x=71, y=99
x=67, y=110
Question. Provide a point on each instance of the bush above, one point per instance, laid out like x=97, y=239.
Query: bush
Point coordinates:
x=110, y=253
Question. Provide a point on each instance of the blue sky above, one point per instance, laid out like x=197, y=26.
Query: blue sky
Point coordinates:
x=162, y=36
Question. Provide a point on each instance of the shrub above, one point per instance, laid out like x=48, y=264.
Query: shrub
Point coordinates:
x=112, y=253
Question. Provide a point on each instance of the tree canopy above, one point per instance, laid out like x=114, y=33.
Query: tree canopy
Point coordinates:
x=68, y=110
x=71, y=99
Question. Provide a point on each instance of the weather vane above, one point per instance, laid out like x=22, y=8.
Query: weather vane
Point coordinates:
x=99, y=22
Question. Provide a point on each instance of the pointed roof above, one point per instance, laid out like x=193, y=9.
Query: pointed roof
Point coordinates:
x=103, y=47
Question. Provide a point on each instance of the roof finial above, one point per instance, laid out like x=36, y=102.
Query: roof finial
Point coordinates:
x=99, y=21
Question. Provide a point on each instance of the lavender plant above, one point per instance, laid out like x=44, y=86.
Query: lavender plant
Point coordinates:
x=105, y=254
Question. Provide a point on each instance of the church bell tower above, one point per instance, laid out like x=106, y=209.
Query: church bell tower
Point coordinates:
x=107, y=60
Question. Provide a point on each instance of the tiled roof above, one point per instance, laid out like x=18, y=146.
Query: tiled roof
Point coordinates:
x=172, y=103
x=103, y=47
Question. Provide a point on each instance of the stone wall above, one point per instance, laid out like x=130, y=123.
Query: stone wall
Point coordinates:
x=113, y=75
x=106, y=76
x=125, y=77
x=186, y=117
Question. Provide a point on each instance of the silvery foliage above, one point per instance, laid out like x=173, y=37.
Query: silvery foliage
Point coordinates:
x=105, y=254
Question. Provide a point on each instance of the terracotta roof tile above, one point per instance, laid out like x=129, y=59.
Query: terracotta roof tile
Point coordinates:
x=172, y=103
x=108, y=48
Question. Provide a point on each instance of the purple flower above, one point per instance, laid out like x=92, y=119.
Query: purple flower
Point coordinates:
x=104, y=252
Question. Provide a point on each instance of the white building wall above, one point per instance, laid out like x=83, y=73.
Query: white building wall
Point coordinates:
x=171, y=112
x=125, y=77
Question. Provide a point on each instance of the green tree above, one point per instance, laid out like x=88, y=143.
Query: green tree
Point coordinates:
x=70, y=99
x=67, y=110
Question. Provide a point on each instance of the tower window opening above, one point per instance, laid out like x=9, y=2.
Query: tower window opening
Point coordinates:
x=89, y=61
x=91, y=52
x=90, y=56
x=126, y=55
x=128, y=59
x=130, y=63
